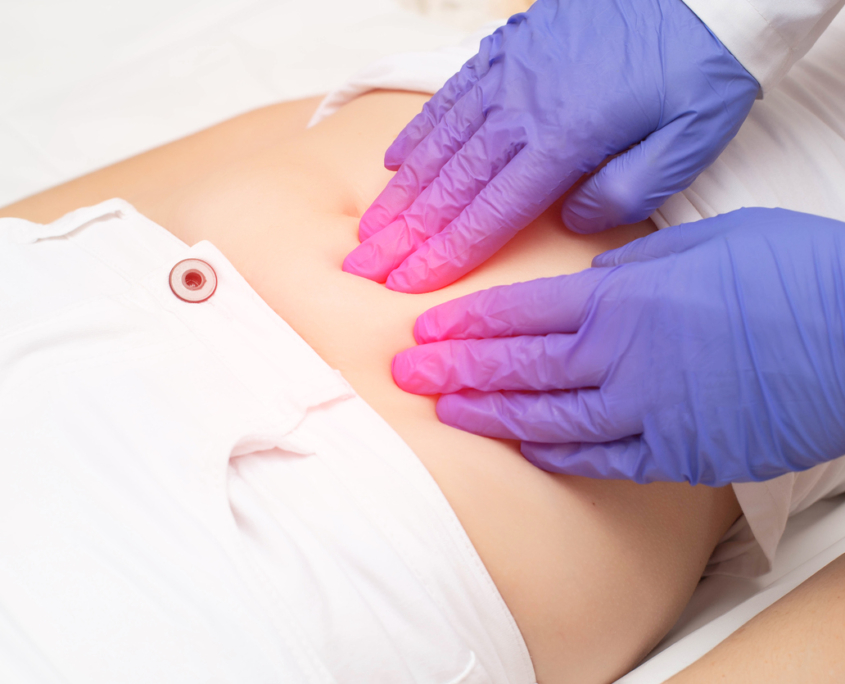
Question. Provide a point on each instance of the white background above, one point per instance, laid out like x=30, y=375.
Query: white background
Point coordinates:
x=85, y=83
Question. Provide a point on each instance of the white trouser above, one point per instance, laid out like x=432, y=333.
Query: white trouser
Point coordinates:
x=190, y=494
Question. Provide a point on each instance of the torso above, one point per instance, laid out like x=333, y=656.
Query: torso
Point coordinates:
x=575, y=560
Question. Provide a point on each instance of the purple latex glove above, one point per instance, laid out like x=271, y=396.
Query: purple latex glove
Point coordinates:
x=548, y=97
x=712, y=352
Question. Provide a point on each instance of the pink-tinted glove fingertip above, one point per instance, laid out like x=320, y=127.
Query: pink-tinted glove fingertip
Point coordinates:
x=398, y=281
x=376, y=217
x=408, y=375
x=458, y=411
x=412, y=277
x=399, y=368
x=367, y=228
x=424, y=331
x=445, y=409
x=359, y=262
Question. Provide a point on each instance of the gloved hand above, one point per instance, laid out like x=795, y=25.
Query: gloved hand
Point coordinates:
x=712, y=352
x=547, y=98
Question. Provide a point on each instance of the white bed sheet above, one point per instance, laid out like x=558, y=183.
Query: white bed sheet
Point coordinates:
x=86, y=83
x=722, y=604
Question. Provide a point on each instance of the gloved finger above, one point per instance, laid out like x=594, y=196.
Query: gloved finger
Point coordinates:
x=673, y=240
x=439, y=104
x=530, y=363
x=463, y=177
x=628, y=458
x=631, y=186
x=425, y=164
x=550, y=417
x=536, y=307
x=486, y=224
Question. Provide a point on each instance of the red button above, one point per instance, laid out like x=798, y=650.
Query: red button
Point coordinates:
x=193, y=280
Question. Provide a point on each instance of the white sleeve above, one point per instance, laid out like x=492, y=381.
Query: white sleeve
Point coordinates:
x=767, y=36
